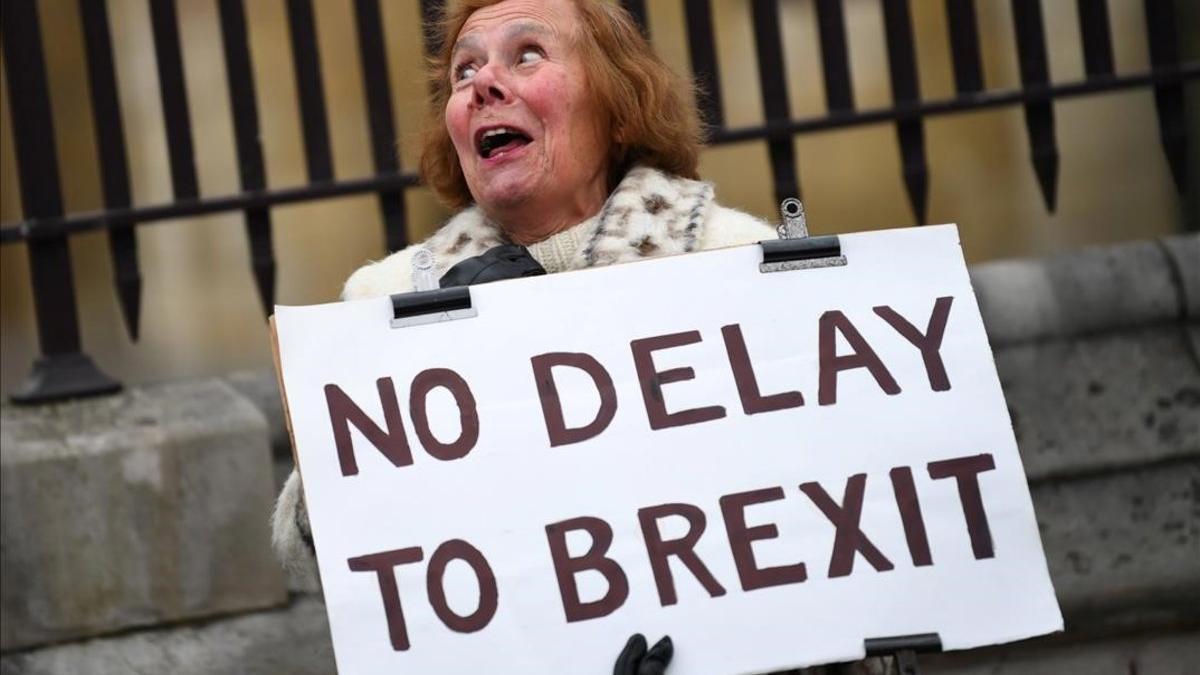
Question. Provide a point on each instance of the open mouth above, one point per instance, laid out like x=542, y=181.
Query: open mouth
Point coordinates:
x=499, y=140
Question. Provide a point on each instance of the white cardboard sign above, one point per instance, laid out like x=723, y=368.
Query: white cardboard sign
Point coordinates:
x=770, y=468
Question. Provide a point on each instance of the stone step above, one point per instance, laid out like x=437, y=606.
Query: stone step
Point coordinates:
x=292, y=640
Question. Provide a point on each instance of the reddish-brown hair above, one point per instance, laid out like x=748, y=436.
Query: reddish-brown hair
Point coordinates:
x=649, y=110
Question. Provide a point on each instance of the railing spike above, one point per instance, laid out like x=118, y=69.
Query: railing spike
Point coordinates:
x=1096, y=37
x=1175, y=145
x=768, y=43
x=262, y=257
x=114, y=165
x=1039, y=114
x=1168, y=98
x=173, y=94
x=964, y=46
x=385, y=149
x=906, y=90
x=127, y=278
x=240, y=73
x=915, y=168
x=835, y=60
x=306, y=62
x=703, y=55
x=1045, y=165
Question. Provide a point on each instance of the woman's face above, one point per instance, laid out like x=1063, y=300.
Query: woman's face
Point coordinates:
x=520, y=116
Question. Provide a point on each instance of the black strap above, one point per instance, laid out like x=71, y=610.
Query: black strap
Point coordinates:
x=502, y=262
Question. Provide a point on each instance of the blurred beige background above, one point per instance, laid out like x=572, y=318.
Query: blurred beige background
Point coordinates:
x=200, y=311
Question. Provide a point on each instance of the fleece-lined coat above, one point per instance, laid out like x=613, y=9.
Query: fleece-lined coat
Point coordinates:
x=649, y=214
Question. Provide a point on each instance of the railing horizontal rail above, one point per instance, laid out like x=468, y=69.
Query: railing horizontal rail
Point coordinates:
x=976, y=101
x=98, y=220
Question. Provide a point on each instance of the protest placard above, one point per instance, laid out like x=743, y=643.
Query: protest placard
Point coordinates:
x=769, y=467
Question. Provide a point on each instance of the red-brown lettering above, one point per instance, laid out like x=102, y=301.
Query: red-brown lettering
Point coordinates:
x=830, y=324
x=742, y=538
x=422, y=384
x=343, y=412
x=384, y=565
x=566, y=567
x=683, y=548
x=930, y=343
x=652, y=381
x=849, y=538
x=965, y=471
x=552, y=412
x=910, y=515
x=457, y=549
x=753, y=401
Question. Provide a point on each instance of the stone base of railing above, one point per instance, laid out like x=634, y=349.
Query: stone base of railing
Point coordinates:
x=143, y=508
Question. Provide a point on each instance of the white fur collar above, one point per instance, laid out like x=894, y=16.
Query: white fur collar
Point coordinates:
x=649, y=214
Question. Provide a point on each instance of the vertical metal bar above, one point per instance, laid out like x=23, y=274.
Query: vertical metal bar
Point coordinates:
x=431, y=28
x=62, y=370
x=306, y=61
x=240, y=74
x=114, y=165
x=1097, y=38
x=172, y=88
x=768, y=44
x=1039, y=115
x=431, y=19
x=384, y=147
x=637, y=9
x=902, y=64
x=964, y=46
x=37, y=165
x=703, y=53
x=835, y=60
x=1168, y=98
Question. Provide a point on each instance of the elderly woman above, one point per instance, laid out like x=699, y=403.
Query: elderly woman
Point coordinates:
x=560, y=131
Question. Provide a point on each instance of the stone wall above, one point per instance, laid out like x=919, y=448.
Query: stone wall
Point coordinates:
x=1099, y=355
x=143, y=508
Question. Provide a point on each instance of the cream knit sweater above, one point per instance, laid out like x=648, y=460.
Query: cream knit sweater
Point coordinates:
x=555, y=254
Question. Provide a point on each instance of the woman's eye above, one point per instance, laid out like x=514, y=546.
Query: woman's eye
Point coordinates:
x=463, y=72
x=530, y=55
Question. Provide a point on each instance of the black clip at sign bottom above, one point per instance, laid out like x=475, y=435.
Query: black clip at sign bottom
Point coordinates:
x=921, y=642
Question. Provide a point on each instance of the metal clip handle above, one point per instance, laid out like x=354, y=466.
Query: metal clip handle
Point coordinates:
x=794, y=249
x=794, y=224
x=423, y=265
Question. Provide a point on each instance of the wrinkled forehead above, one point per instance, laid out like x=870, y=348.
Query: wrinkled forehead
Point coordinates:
x=556, y=18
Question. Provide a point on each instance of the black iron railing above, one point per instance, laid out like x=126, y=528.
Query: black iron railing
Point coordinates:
x=63, y=370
